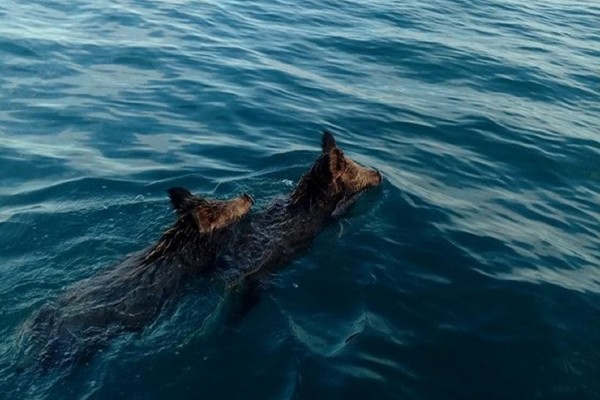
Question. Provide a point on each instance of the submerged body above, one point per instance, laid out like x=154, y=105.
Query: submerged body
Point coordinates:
x=131, y=294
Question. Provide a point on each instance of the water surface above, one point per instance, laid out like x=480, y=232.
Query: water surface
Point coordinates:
x=473, y=273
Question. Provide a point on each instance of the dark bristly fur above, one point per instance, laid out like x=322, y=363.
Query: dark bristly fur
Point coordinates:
x=273, y=236
x=130, y=295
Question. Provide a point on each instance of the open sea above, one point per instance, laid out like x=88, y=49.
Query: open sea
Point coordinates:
x=473, y=272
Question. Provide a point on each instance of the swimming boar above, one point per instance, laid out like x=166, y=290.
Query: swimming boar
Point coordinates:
x=273, y=236
x=131, y=294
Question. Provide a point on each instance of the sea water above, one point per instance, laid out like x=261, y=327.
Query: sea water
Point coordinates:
x=473, y=272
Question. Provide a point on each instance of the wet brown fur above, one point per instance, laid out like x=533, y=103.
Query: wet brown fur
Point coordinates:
x=332, y=175
x=198, y=217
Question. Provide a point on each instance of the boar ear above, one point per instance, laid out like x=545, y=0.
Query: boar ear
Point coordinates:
x=182, y=200
x=327, y=141
x=337, y=162
x=206, y=217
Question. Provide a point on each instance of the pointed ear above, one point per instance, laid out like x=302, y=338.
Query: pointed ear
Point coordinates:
x=337, y=162
x=182, y=200
x=327, y=142
x=206, y=217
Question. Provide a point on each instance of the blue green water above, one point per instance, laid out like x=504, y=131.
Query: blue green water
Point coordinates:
x=472, y=273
